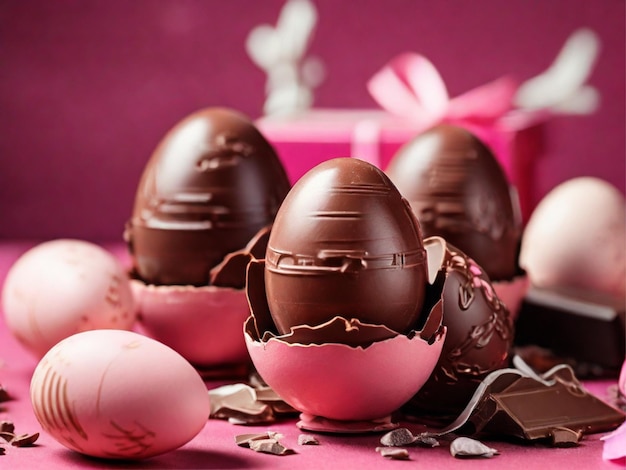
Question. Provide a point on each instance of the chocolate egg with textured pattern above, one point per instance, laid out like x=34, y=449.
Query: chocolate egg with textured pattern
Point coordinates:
x=459, y=191
x=479, y=333
x=211, y=184
x=345, y=243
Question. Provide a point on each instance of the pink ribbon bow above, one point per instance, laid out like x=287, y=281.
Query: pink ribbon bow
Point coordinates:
x=410, y=86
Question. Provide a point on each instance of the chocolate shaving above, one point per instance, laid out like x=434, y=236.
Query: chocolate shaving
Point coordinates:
x=398, y=438
x=7, y=436
x=2, y=450
x=403, y=437
x=467, y=447
x=4, y=395
x=269, y=446
x=267, y=442
x=243, y=404
x=25, y=440
x=307, y=440
x=565, y=437
x=7, y=426
x=393, y=453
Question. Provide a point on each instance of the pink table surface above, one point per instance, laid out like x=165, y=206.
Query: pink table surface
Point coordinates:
x=214, y=447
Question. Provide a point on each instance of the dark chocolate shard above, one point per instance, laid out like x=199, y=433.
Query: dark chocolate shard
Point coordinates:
x=257, y=299
x=565, y=437
x=403, y=437
x=25, y=440
x=398, y=438
x=231, y=272
x=7, y=426
x=339, y=330
x=4, y=395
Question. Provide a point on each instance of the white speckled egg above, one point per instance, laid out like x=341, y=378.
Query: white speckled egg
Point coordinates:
x=576, y=239
x=62, y=287
x=118, y=394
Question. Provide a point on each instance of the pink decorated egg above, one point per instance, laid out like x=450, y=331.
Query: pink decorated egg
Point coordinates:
x=119, y=395
x=62, y=287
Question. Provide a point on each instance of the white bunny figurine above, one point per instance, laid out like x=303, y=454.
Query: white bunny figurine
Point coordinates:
x=279, y=51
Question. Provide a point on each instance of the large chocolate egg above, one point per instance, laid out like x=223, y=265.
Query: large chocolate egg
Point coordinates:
x=479, y=334
x=345, y=243
x=212, y=183
x=459, y=191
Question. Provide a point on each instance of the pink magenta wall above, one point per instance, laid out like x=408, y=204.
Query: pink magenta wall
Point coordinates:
x=88, y=87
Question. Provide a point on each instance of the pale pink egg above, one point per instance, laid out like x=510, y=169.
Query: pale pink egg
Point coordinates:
x=203, y=324
x=62, y=287
x=118, y=394
x=576, y=239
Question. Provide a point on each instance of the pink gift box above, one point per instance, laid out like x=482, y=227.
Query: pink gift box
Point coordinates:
x=308, y=138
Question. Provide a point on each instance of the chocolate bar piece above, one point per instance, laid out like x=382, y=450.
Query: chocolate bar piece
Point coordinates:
x=520, y=403
x=587, y=332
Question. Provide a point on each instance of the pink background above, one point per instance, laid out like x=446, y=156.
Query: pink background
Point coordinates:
x=87, y=88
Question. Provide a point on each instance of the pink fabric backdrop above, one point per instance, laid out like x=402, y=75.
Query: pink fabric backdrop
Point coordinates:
x=87, y=88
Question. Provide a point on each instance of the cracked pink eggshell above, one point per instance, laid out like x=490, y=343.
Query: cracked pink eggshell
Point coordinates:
x=203, y=324
x=62, y=287
x=118, y=394
x=342, y=382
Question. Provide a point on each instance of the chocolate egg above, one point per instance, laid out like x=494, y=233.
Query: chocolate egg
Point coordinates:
x=212, y=183
x=345, y=243
x=459, y=191
x=479, y=334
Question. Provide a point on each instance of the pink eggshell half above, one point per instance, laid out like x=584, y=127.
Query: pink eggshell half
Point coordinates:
x=203, y=324
x=347, y=383
x=118, y=394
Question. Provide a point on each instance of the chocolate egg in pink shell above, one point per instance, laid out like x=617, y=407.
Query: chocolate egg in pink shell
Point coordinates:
x=340, y=327
x=363, y=373
x=206, y=198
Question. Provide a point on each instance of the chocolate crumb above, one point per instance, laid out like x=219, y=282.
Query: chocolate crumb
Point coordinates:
x=4, y=395
x=393, y=453
x=565, y=437
x=25, y=440
x=467, y=447
x=398, y=438
x=403, y=437
x=2, y=450
x=7, y=426
x=267, y=442
x=307, y=440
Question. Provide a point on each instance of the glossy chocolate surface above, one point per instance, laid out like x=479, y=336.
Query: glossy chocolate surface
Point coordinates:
x=345, y=243
x=458, y=191
x=211, y=184
x=478, y=340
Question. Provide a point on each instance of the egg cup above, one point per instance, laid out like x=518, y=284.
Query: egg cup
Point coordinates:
x=344, y=376
x=203, y=324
